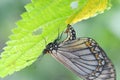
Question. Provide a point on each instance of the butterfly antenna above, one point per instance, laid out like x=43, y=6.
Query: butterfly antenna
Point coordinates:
x=45, y=45
x=60, y=35
x=45, y=40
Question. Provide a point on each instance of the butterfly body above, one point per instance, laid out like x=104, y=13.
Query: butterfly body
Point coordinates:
x=83, y=56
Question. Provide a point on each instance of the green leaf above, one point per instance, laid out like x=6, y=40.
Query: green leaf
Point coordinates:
x=42, y=21
x=89, y=10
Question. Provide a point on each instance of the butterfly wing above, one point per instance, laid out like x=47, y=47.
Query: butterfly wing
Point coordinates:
x=84, y=57
x=108, y=72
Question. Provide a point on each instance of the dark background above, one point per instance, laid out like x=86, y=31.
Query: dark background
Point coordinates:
x=104, y=28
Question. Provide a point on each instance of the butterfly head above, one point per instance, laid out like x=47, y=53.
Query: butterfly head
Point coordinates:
x=50, y=47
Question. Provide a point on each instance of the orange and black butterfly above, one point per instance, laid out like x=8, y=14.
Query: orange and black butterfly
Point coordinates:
x=83, y=56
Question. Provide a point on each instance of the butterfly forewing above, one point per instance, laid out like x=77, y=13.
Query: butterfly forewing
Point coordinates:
x=78, y=57
x=83, y=56
x=108, y=72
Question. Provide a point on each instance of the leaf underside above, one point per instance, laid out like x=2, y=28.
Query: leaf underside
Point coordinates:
x=42, y=21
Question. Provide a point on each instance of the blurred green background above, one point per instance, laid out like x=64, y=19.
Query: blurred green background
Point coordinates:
x=104, y=28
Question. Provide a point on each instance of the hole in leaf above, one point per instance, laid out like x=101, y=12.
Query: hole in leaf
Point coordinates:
x=37, y=32
x=74, y=5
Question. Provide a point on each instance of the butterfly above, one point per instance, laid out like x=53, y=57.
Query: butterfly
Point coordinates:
x=83, y=56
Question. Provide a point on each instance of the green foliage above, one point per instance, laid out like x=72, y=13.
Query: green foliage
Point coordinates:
x=41, y=22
